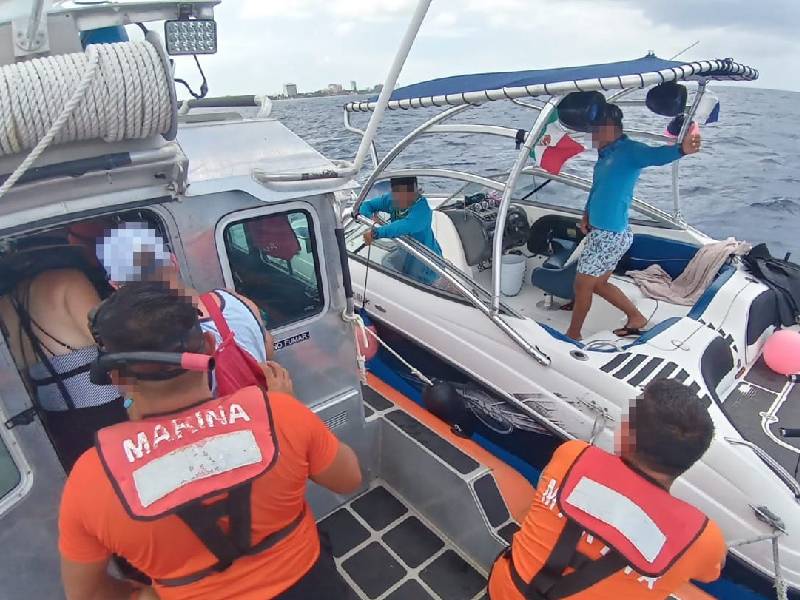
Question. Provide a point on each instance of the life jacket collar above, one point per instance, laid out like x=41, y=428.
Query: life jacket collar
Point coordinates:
x=633, y=515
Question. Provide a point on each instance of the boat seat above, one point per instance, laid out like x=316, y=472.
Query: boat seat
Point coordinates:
x=558, y=280
x=475, y=239
x=562, y=250
x=450, y=242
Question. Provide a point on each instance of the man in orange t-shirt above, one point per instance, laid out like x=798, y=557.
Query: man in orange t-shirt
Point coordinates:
x=668, y=430
x=99, y=518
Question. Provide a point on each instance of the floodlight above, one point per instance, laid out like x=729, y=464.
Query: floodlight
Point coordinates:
x=191, y=36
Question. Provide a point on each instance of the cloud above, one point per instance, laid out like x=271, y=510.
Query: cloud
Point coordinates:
x=265, y=43
x=444, y=25
x=353, y=10
x=294, y=9
x=775, y=16
x=344, y=28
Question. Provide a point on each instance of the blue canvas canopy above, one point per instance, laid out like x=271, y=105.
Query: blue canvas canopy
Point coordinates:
x=642, y=72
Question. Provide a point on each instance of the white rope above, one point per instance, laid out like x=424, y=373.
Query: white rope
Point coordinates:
x=111, y=92
x=363, y=330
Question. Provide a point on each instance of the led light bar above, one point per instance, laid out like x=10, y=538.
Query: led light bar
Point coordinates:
x=191, y=36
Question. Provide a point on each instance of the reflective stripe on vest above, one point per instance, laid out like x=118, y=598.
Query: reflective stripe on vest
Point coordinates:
x=639, y=519
x=161, y=463
x=643, y=526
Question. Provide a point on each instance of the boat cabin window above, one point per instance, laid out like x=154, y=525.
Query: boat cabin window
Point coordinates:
x=274, y=261
x=9, y=473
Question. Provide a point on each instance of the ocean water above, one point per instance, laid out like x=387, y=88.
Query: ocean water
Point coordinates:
x=745, y=182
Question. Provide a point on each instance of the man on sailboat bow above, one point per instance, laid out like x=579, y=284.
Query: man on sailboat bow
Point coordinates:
x=605, y=219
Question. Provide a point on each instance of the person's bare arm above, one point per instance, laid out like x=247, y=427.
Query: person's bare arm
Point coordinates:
x=91, y=581
x=268, y=342
x=343, y=475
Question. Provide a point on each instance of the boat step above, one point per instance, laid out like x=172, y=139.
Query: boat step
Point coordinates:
x=386, y=550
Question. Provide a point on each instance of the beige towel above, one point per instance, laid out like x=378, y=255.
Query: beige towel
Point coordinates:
x=687, y=288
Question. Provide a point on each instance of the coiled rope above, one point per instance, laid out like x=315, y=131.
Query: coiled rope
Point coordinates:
x=111, y=92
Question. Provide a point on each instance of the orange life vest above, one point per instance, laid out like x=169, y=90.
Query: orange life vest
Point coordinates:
x=643, y=526
x=172, y=463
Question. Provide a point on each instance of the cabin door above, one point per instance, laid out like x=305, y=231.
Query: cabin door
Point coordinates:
x=31, y=479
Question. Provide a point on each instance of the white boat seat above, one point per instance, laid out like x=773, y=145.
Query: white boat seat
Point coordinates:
x=449, y=241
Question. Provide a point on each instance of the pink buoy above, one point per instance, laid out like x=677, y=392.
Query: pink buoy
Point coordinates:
x=370, y=349
x=782, y=352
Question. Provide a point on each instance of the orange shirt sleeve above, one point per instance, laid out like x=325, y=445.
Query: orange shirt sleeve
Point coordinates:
x=712, y=548
x=562, y=458
x=321, y=445
x=76, y=540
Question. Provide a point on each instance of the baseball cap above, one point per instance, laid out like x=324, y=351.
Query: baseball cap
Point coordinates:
x=120, y=252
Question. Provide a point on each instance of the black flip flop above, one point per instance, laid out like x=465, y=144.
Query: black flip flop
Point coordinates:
x=624, y=332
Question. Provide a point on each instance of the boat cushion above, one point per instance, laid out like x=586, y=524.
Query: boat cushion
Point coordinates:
x=445, y=232
x=647, y=250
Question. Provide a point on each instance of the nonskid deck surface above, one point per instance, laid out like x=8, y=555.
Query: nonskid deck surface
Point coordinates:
x=760, y=406
x=386, y=550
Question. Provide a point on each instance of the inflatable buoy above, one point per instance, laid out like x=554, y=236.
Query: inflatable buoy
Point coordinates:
x=782, y=352
x=369, y=349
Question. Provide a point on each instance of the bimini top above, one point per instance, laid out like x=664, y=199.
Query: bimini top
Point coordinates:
x=483, y=87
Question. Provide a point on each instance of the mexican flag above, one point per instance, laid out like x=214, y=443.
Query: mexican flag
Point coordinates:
x=554, y=146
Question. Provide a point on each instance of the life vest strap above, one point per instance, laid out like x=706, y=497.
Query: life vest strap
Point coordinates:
x=264, y=545
x=550, y=583
x=204, y=523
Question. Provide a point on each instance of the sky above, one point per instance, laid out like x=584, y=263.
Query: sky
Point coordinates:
x=266, y=43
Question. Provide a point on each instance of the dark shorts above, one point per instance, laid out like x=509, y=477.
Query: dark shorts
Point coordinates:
x=322, y=582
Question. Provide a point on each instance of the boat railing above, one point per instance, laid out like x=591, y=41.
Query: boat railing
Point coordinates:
x=445, y=268
x=776, y=467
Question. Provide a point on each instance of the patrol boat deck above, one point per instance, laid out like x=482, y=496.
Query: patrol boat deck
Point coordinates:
x=385, y=549
x=437, y=513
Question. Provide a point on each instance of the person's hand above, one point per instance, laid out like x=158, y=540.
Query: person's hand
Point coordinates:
x=584, y=224
x=143, y=592
x=369, y=237
x=278, y=379
x=691, y=143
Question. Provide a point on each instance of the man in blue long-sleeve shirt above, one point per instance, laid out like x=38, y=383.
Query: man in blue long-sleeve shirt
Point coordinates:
x=411, y=215
x=605, y=220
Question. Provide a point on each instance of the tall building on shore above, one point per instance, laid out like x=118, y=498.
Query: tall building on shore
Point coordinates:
x=335, y=88
x=290, y=90
x=354, y=86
